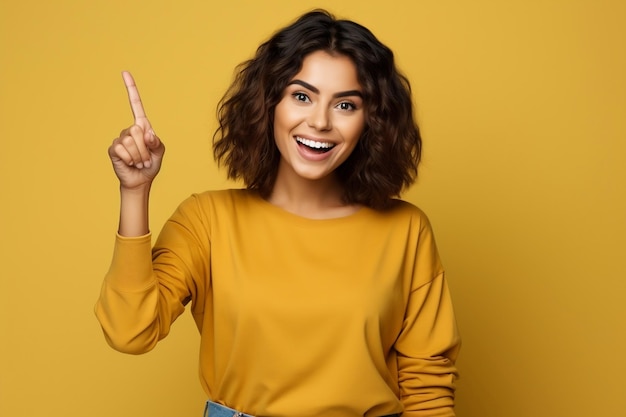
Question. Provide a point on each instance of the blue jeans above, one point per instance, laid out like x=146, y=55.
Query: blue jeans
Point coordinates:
x=217, y=410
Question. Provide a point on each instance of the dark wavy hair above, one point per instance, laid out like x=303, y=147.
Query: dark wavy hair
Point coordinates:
x=385, y=159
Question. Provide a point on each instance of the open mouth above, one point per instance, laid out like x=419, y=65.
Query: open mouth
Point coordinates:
x=315, y=146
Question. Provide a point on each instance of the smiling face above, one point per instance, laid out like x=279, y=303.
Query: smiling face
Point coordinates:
x=320, y=117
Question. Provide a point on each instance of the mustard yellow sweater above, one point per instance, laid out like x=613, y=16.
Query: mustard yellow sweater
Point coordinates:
x=342, y=317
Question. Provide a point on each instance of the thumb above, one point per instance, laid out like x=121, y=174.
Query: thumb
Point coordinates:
x=152, y=140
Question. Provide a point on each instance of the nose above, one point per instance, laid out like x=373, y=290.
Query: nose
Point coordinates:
x=319, y=118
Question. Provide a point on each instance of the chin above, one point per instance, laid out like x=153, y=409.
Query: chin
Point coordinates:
x=314, y=176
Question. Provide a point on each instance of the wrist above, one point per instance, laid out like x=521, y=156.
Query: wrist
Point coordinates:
x=134, y=211
x=140, y=190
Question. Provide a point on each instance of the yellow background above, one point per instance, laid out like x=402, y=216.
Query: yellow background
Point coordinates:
x=523, y=110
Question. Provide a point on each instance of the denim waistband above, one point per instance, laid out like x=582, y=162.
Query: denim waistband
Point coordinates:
x=218, y=410
x=213, y=409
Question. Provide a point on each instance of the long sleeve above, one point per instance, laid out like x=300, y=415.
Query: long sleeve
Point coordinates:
x=145, y=290
x=429, y=342
x=427, y=350
x=127, y=306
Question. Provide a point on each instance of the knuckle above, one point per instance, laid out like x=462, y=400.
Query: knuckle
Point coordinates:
x=127, y=141
x=120, y=150
x=136, y=130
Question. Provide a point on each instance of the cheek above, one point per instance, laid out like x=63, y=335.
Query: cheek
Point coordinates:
x=355, y=130
x=284, y=117
x=277, y=116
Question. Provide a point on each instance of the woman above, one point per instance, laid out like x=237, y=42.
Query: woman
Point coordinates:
x=315, y=291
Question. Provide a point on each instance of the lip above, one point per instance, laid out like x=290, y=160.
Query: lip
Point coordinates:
x=309, y=155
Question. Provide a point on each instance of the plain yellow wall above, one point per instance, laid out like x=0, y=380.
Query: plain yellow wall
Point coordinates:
x=523, y=110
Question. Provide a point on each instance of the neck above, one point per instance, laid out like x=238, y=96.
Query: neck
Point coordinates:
x=315, y=199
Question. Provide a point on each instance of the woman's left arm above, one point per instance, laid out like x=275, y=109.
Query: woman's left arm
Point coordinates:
x=427, y=350
x=429, y=342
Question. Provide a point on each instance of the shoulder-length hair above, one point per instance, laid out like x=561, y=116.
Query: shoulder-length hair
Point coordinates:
x=386, y=157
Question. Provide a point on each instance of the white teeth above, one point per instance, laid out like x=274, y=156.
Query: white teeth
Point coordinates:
x=314, y=144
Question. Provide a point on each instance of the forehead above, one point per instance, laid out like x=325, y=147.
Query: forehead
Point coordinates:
x=329, y=72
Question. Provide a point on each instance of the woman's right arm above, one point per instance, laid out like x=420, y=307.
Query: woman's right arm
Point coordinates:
x=128, y=305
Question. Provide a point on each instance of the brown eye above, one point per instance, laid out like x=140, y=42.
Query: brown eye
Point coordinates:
x=301, y=97
x=346, y=106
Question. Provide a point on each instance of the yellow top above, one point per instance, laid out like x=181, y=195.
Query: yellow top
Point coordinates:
x=298, y=317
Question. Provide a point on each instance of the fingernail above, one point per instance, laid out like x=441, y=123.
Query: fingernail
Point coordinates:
x=147, y=164
x=139, y=165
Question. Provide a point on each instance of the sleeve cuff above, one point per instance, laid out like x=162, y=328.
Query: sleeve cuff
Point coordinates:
x=131, y=266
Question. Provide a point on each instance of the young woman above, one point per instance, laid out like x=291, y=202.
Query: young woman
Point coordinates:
x=315, y=290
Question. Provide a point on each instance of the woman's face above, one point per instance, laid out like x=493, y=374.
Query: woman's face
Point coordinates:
x=320, y=117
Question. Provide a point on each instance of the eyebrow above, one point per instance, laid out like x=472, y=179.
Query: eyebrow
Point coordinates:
x=317, y=91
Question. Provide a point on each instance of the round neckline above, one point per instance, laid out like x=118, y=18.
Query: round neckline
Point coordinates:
x=254, y=196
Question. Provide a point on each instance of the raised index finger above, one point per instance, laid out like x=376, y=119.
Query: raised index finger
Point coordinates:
x=133, y=96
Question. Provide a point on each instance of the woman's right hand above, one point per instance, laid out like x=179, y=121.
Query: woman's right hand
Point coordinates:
x=137, y=153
